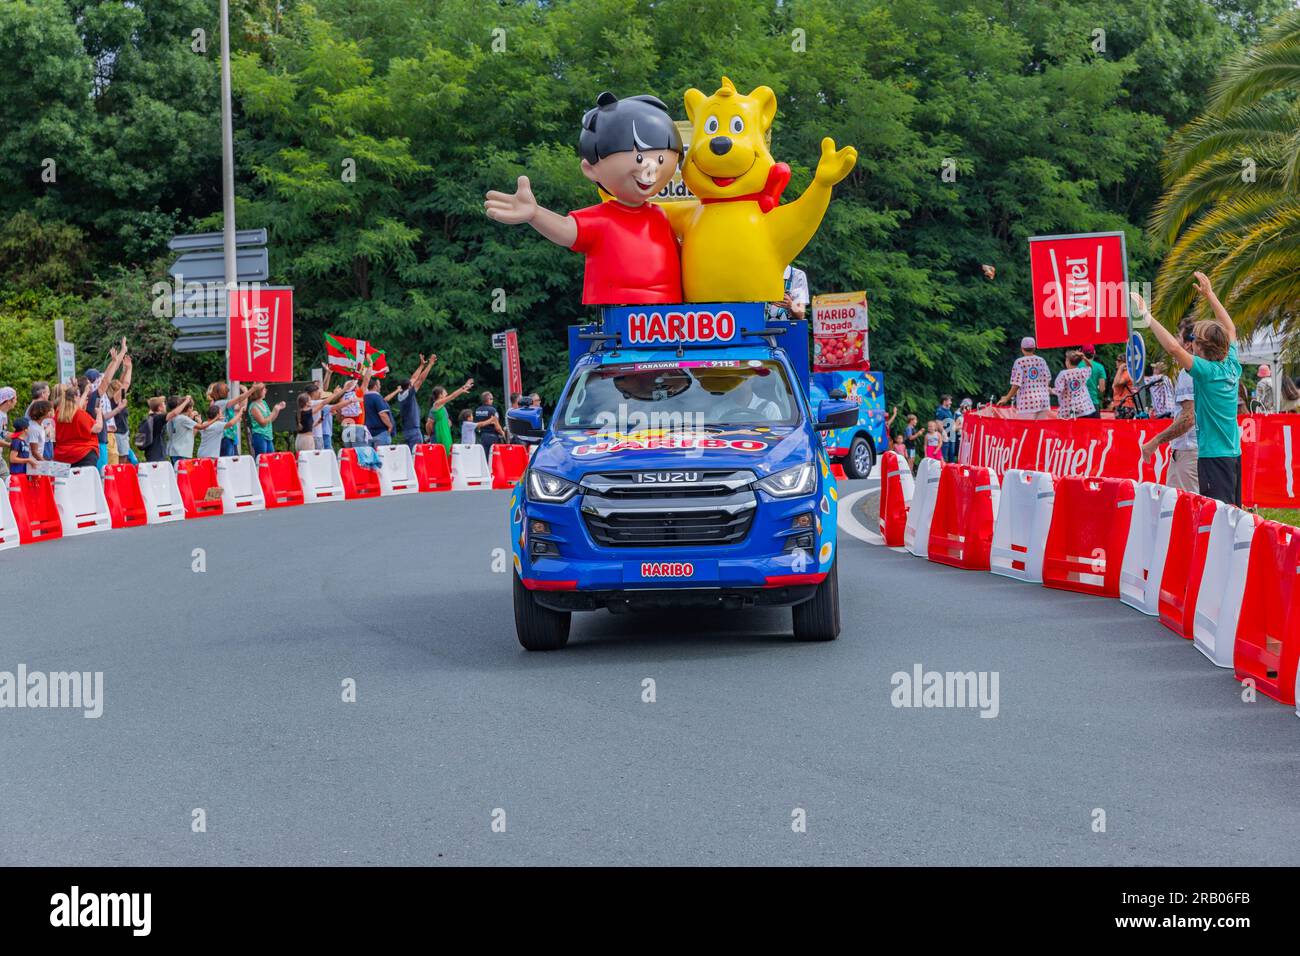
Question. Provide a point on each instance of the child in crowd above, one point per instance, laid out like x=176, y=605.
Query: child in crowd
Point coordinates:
x=19, y=454
x=37, y=440
x=933, y=441
x=910, y=435
x=210, y=432
x=468, y=433
x=900, y=448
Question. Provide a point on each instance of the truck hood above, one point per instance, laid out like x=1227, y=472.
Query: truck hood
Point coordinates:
x=761, y=449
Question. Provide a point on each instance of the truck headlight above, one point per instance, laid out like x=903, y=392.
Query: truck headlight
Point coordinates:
x=791, y=483
x=551, y=489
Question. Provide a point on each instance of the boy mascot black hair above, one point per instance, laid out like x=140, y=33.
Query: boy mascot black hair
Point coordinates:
x=619, y=126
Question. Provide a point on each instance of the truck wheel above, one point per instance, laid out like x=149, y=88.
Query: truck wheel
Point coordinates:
x=818, y=618
x=860, y=459
x=538, y=628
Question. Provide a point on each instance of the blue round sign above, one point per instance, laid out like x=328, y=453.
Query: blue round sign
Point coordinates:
x=1135, y=354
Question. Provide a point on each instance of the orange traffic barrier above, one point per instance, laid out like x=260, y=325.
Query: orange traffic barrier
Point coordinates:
x=358, y=482
x=200, y=492
x=125, y=500
x=277, y=472
x=1268, y=629
x=508, y=464
x=1088, y=534
x=1189, y=543
x=961, y=528
x=35, y=513
x=432, y=469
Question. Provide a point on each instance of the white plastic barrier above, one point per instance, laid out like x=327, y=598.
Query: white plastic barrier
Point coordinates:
x=241, y=488
x=469, y=468
x=916, y=534
x=319, y=473
x=397, y=470
x=160, y=491
x=1147, y=546
x=1223, y=582
x=1020, y=531
x=80, y=499
x=8, y=523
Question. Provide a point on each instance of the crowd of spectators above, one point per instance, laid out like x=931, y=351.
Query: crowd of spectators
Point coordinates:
x=87, y=421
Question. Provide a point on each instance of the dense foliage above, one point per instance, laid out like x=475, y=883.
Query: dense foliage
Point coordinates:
x=1053, y=116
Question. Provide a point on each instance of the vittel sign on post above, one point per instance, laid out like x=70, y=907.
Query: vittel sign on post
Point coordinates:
x=1080, y=289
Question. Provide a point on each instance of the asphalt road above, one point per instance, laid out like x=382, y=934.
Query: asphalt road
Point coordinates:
x=222, y=691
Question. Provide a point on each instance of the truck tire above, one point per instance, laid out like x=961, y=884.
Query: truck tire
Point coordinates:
x=538, y=628
x=861, y=457
x=818, y=618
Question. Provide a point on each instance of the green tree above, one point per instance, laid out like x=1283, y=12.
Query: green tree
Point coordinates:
x=1232, y=208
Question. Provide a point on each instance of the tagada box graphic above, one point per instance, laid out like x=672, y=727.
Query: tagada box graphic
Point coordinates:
x=840, y=330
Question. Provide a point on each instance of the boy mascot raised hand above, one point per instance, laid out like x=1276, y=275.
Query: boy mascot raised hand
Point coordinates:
x=630, y=148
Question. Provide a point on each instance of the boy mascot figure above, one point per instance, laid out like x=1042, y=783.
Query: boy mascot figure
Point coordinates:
x=630, y=149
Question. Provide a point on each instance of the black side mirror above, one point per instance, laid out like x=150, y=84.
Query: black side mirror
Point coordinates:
x=525, y=422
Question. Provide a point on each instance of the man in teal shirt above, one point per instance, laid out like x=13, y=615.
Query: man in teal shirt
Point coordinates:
x=1215, y=371
x=1096, y=381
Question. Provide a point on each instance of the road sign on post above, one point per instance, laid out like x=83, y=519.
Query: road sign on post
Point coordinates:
x=1135, y=354
x=199, y=304
x=67, y=361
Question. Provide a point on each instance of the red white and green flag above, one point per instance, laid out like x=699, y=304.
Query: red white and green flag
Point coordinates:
x=351, y=356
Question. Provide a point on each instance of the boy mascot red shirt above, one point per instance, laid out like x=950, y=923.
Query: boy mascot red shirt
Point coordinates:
x=630, y=149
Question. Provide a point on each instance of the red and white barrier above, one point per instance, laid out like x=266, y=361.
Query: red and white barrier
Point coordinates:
x=200, y=492
x=916, y=533
x=1189, y=540
x=1148, y=543
x=469, y=468
x=965, y=509
x=277, y=473
x=896, y=490
x=126, y=505
x=241, y=488
x=161, y=492
x=508, y=464
x=358, y=482
x=1020, y=532
x=1268, y=629
x=83, y=509
x=1223, y=582
x=35, y=513
x=432, y=468
x=397, y=470
x=318, y=473
x=1085, y=544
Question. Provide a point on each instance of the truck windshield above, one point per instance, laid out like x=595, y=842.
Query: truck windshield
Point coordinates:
x=680, y=395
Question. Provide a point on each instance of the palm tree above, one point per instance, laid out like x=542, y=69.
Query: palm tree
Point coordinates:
x=1232, y=201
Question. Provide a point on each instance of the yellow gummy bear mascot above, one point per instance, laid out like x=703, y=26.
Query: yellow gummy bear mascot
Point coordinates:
x=737, y=240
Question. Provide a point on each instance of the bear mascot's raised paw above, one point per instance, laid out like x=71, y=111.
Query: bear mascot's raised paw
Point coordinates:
x=738, y=239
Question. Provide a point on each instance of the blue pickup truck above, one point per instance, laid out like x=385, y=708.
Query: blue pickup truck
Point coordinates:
x=684, y=467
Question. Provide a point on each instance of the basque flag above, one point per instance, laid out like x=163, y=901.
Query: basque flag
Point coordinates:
x=351, y=356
